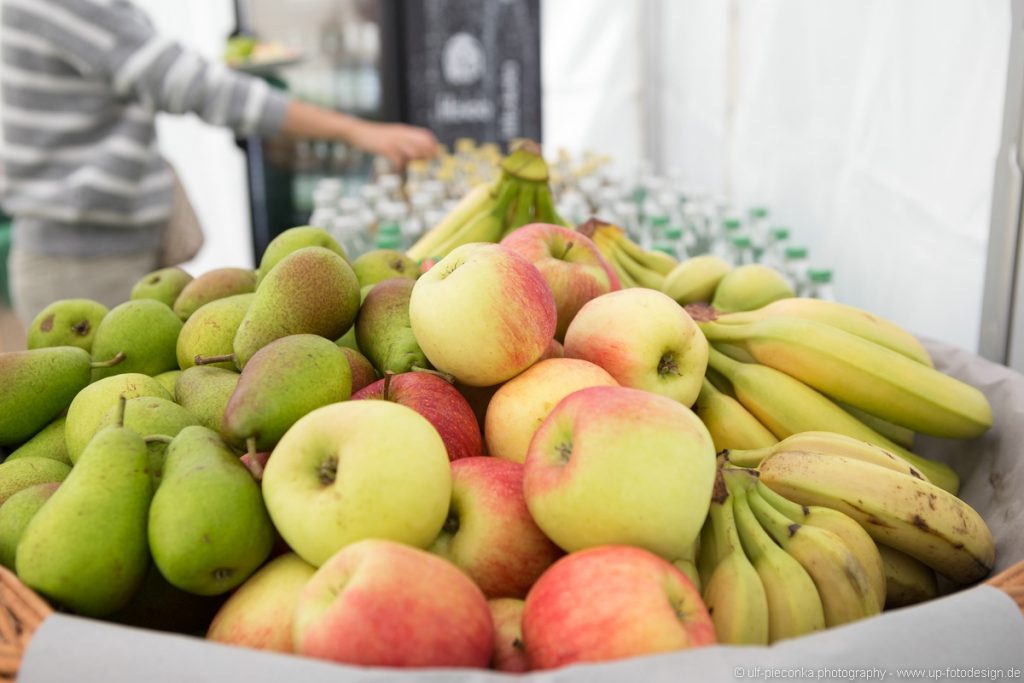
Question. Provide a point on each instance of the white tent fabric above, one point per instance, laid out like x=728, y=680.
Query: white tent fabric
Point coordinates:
x=869, y=127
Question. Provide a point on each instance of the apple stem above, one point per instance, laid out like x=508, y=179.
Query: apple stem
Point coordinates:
x=250, y=445
x=387, y=384
x=157, y=438
x=567, y=248
x=118, y=357
x=206, y=360
x=122, y=401
x=443, y=375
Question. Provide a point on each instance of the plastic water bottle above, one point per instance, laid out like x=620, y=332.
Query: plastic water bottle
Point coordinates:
x=347, y=230
x=820, y=284
x=723, y=241
x=796, y=269
x=742, y=250
x=775, y=250
x=389, y=228
x=757, y=228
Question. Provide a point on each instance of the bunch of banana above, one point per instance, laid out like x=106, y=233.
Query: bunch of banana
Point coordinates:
x=786, y=406
x=708, y=279
x=774, y=569
x=488, y=212
x=800, y=365
x=635, y=266
x=897, y=508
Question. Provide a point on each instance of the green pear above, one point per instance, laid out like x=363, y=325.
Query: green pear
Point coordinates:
x=309, y=291
x=67, y=322
x=145, y=331
x=16, y=513
x=152, y=416
x=212, y=285
x=19, y=474
x=383, y=330
x=292, y=240
x=383, y=264
x=750, y=287
x=86, y=548
x=36, y=386
x=89, y=409
x=208, y=527
x=169, y=380
x=204, y=391
x=47, y=443
x=159, y=606
x=284, y=380
x=361, y=369
x=210, y=331
x=163, y=285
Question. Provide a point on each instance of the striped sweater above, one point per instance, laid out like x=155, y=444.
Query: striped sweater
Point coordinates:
x=82, y=82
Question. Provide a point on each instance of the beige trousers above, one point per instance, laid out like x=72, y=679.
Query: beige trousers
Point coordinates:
x=37, y=280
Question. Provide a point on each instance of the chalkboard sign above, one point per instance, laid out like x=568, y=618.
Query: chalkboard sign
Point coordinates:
x=470, y=68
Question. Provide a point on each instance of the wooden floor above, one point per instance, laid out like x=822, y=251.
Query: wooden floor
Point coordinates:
x=12, y=333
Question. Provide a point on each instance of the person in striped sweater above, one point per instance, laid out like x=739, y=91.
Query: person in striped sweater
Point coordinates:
x=89, y=193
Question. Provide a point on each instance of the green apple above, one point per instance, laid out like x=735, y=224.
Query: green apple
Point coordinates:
x=260, y=613
x=611, y=603
x=612, y=465
x=520, y=405
x=355, y=470
x=378, y=265
x=483, y=314
x=381, y=603
x=644, y=339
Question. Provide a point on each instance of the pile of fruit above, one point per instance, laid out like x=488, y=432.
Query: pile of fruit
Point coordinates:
x=388, y=462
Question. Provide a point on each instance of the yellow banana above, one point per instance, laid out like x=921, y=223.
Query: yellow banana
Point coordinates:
x=735, y=352
x=480, y=198
x=608, y=249
x=730, y=424
x=828, y=443
x=907, y=581
x=734, y=594
x=486, y=226
x=841, y=579
x=522, y=213
x=787, y=406
x=660, y=263
x=644, y=277
x=794, y=605
x=909, y=514
x=845, y=527
x=900, y=435
x=694, y=280
x=847, y=318
x=862, y=374
x=750, y=287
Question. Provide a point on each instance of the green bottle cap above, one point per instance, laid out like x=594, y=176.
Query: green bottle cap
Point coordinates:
x=741, y=242
x=664, y=249
x=780, y=233
x=820, y=275
x=389, y=228
x=796, y=252
x=674, y=233
x=731, y=224
x=660, y=221
x=758, y=212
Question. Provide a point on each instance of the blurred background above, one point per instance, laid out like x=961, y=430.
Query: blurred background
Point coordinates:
x=880, y=134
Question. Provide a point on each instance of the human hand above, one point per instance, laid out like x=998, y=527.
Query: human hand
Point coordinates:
x=397, y=142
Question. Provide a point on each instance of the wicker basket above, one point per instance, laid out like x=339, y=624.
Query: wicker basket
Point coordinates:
x=22, y=611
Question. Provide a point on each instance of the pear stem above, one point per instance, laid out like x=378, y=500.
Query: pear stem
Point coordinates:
x=122, y=401
x=206, y=360
x=250, y=445
x=387, y=384
x=157, y=438
x=118, y=357
x=443, y=375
